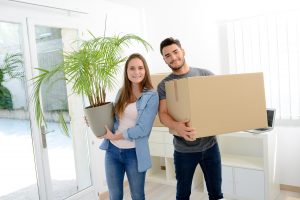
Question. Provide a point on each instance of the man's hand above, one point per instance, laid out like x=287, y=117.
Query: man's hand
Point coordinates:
x=180, y=127
x=184, y=131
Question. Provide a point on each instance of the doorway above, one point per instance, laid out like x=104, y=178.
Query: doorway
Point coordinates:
x=38, y=163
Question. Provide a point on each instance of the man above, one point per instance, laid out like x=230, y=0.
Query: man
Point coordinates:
x=189, y=152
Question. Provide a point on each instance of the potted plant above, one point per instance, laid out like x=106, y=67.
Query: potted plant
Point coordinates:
x=91, y=70
x=10, y=68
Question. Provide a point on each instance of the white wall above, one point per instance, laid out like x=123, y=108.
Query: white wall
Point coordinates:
x=288, y=154
x=187, y=23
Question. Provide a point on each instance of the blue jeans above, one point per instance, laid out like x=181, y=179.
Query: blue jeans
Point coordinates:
x=117, y=163
x=185, y=166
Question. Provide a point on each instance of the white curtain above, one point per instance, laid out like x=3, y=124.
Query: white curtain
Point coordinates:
x=270, y=44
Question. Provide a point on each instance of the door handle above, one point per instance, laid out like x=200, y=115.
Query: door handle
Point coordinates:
x=44, y=132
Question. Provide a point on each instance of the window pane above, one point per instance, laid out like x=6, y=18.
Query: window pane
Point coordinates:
x=68, y=176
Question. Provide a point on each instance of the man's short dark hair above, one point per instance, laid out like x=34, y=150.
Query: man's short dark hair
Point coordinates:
x=169, y=41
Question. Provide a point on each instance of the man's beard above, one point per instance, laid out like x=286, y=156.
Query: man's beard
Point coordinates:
x=176, y=69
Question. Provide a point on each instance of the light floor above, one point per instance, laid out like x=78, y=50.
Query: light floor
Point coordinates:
x=157, y=191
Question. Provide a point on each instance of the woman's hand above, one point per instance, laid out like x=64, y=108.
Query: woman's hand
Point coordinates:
x=110, y=136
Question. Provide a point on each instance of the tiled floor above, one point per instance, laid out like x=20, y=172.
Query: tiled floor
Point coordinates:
x=156, y=191
x=17, y=169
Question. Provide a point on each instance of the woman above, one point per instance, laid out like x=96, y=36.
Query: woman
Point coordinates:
x=127, y=149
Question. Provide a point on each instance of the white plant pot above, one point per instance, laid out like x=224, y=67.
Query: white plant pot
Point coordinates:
x=98, y=117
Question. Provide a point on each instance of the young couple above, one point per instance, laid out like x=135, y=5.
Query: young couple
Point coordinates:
x=137, y=103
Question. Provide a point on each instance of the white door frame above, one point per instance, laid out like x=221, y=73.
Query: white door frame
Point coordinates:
x=74, y=101
x=30, y=60
x=34, y=129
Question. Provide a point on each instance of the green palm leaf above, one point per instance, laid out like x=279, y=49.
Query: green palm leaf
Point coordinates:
x=12, y=66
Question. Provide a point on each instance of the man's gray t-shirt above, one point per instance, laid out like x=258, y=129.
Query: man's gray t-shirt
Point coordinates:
x=181, y=145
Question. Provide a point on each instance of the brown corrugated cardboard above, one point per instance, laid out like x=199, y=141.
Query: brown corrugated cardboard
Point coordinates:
x=156, y=78
x=218, y=104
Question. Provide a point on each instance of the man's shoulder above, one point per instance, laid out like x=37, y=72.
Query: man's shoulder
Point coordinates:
x=167, y=78
x=200, y=72
x=193, y=72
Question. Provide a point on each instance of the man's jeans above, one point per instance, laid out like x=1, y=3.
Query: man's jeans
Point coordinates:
x=210, y=162
x=117, y=163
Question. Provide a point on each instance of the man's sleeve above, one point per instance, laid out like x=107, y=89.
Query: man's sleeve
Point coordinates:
x=161, y=90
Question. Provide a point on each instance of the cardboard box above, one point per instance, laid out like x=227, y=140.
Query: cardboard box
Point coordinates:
x=218, y=104
x=156, y=78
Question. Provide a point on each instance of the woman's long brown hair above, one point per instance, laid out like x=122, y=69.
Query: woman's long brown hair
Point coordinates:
x=126, y=90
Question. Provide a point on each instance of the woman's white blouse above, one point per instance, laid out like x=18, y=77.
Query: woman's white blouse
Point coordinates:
x=127, y=120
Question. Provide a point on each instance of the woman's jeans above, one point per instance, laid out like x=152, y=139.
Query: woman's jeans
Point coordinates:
x=185, y=166
x=117, y=163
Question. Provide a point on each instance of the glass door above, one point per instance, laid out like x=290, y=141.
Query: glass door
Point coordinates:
x=39, y=164
x=66, y=157
x=17, y=169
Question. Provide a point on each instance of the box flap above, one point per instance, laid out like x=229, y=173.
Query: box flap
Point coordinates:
x=177, y=92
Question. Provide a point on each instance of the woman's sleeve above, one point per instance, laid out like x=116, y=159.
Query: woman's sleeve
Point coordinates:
x=145, y=121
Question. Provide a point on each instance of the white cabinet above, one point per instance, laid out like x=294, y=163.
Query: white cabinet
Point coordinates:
x=242, y=183
x=161, y=150
x=249, y=165
x=249, y=183
x=227, y=180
